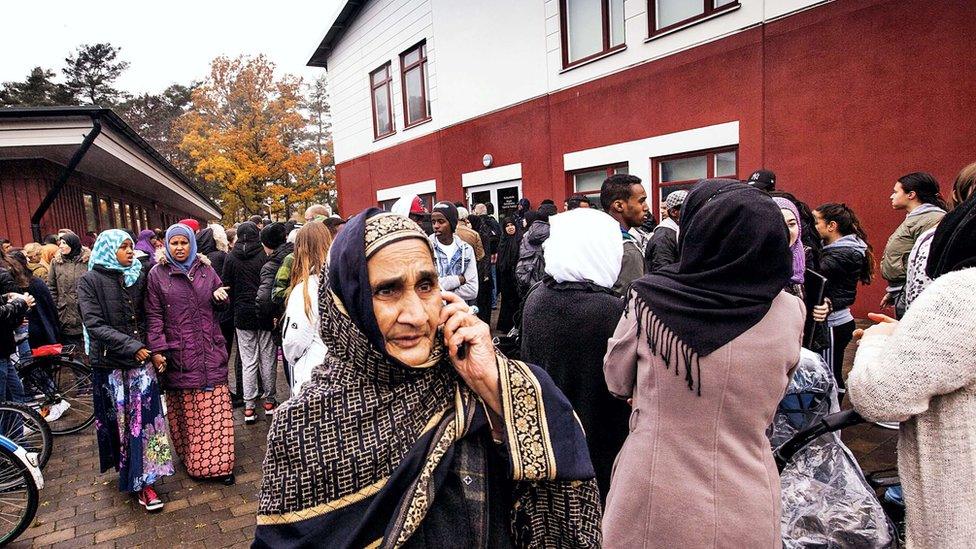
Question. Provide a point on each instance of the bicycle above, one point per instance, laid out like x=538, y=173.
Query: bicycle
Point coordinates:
x=20, y=483
x=57, y=378
x=24, y=426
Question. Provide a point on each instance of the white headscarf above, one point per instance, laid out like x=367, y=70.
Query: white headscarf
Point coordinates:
x=584, y=244
x=403, y=204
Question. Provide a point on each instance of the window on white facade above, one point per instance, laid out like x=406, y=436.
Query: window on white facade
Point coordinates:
x=416, y=101
x=588, y=182
x=668, y=14
x=590, y=28
x=381, y=82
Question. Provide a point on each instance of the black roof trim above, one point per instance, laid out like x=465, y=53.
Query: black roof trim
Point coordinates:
x=347, y=13
x=116, y=123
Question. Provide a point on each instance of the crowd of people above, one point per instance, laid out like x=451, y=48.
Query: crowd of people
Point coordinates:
x=620, y=394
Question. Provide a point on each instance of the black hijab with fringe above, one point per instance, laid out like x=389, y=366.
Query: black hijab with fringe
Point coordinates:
x=735, y=259
x=954, y=242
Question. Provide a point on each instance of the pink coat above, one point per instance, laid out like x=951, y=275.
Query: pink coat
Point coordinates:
x=697, y=471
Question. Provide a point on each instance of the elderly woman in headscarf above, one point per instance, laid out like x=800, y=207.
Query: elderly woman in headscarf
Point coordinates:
x=415, y=432
x=704, y=352
x=183, y=296
x=567, y=320
x=129, y=422
x=919, y=371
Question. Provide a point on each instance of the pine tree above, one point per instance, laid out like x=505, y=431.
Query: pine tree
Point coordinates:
x=37, y=90
x=91, y=71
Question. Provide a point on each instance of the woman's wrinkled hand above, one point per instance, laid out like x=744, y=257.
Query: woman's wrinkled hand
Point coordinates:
x=477, y=364
x=220, y=294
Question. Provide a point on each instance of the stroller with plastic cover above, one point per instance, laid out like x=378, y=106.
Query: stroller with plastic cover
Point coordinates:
x=826, y=499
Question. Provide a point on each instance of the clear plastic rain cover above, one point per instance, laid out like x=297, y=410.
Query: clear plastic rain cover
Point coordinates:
x=827, y=502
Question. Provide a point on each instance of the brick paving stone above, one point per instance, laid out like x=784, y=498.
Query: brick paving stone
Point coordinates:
x=55, y=537
x=97, y=526
x=115, y=533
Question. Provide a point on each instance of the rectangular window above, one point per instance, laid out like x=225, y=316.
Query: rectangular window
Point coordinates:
x=588, y=182
x=129, y=223
x=416, y=102
x=91, y=216
x=137, y=218
x=104, y=214
x=428, y=199
x=381, y=84
x=681, y=172
x=665, y=15
x=590, y=28
x=117, y=214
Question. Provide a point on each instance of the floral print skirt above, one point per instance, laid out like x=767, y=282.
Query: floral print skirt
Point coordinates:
x=130, y=426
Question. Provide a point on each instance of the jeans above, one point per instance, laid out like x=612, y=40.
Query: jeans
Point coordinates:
x=494, y=287
x=10, y=383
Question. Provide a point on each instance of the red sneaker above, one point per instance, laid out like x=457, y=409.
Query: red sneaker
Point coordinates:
x=269, y=408
x=149, y=499
x=249, y=416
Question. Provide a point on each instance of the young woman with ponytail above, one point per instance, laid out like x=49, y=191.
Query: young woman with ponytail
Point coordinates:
x=918, y=194
x=846, y=259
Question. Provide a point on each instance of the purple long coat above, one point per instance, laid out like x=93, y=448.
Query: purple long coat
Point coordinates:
x=183, y=324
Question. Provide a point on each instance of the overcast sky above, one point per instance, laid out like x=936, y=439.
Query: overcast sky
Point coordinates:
x=165, y=42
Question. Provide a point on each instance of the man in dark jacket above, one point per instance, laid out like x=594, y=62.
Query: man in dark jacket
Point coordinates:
x=624, y=199
x=273, y=238
x=662, y=247
x=242, y=276
x=13, y=309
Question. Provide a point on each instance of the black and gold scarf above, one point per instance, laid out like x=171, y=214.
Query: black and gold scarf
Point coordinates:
x=357, y=457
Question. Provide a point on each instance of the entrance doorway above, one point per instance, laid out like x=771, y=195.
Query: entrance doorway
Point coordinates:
x=504, y=196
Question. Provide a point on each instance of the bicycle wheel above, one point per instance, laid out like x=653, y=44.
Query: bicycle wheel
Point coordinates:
x=59, y=382
x=18, y=496
x=23, y=425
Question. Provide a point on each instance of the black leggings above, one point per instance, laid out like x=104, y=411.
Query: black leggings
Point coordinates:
x=840, y=337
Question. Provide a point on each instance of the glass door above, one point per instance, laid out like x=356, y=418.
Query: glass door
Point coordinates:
x=502, y=196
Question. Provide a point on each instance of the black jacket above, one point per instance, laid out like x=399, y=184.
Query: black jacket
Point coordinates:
x=842, y=268
x=11, y=314
x=661, y=250
x=267, y=305
x=565, y=329
x=43, y=327
x=242, y=273
x=114, y=317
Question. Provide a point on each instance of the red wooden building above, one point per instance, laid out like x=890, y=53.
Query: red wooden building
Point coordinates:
x=85, y=169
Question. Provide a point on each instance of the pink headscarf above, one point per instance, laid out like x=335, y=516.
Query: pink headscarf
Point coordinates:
x=799, y=254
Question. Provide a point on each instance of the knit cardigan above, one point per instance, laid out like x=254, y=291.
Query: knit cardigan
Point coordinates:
x=924, y=375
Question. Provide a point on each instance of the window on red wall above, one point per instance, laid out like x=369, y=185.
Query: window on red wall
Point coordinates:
x=91, y=216
x=680, y=172
x=416, y=100
x=666, y=15
x=381, y=84
x=588, y=182
x=590, y=28
x=428, y=199
x=104, y=215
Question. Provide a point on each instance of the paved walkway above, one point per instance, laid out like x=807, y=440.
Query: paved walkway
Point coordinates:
x=81, y=508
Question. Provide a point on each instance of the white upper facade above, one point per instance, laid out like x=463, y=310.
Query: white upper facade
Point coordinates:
x=485, y=55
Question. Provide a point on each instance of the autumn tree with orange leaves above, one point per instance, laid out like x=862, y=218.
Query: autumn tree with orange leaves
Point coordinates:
x=248, y=140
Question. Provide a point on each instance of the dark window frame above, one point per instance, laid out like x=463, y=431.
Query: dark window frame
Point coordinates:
x=709, y=155
x=388, y=66
x=708, y=11
x=609, y=169
x=421, y=63
x=607, y=48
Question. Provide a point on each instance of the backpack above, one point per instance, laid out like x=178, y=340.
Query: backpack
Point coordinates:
x=529, y=270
